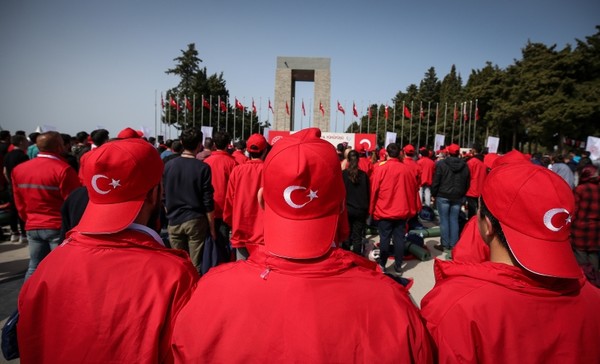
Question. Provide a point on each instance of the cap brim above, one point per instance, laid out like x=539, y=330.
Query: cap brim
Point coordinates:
x=108, y=218
x=543, y=257
x=298, y=239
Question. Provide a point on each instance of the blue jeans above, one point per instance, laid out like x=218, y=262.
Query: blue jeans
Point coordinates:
x=448, y=210
x=41, y=243
x=391, y=230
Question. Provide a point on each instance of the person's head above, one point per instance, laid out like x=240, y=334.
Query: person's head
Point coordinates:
x=209, y=144
x=50, y=142
x=240, y=145
x=99, y=137
x=129, y=133
x=393, y=150
x=169, y=143
x=33, y=137
x=533, y=207
x=81, y=137
x=558, y=158
x=19, y=141
x=123, y=182
x=453, y=150
x=177, y=147
x=5, y=136
x=221, y=139
x=353, y=157
x=66, y=141
x=303, y=194
x=409, y=150
x=191, y=139
x=256, y=146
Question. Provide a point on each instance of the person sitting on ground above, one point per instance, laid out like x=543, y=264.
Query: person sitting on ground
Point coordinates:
x=300, y=298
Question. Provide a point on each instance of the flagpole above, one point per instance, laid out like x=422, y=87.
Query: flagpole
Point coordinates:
x=385, y=121
x=420, y=122
x=185, y=111
x=369, y=120
x=155, y=113
x=177, y=119
x=226, y=113
x=428, y=113
x=234, y=112
x=470, y=119
x=219, y=112
x=437, y=110
x=394, y=118
x=259, y=114
x=411, y=124
x=475, y=121
x=402, y=126
x=337, y=110
x=210, y=110
x=453, y=122
x=377, y=123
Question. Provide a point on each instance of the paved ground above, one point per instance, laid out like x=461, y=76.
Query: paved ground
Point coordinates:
x=14, y=259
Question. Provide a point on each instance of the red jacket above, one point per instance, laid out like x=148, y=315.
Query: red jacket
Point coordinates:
x=335, y=309
x=471, y=248
x=239, y=157
x=365, y=165
x=427, y=170
x=478, y=173
x=417, y=171
x=40, y=187
x=104, y=299
x=393, y=191
x=221, y=164
x=496, y=313
x=242, y=211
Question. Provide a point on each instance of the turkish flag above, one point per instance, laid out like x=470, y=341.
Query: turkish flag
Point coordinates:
x=174, y=103
x=322, y=109
x=271, y=107
x=303, y=109
x=253, y=107
x=365, y=141
x=354, y=109
x=340, y=108
x=238, y=105
x=386, y=113
x=223, y=106
x=407, y=113
x=287, y=108
x=477, y=113
x=205, y=103
x=275, y=135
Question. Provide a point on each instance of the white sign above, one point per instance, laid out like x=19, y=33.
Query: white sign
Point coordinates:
x=337, y=138
x=207, y=132
x=438, y=142
x=390, y=138
x=492, y=144
x=593, y=146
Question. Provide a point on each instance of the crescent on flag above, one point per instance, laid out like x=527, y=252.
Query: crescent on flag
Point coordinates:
x=365, y=141
x=550, y=214
x=95, y=179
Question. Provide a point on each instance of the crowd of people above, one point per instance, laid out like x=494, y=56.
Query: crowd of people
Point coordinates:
x=202, y=249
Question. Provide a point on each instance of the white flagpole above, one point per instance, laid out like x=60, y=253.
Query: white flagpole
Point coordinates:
x=428, y=112
x=402, y=125
x=209, y=111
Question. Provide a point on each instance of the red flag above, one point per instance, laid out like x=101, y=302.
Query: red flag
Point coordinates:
x=174, y=103
x=287, y=108
x=407, y=113
x=162, y=101
x=455, y=113
x=386, y=113
x=477, y=113
x=253, y=106
x=369, y=113
x=205, y=103
x=422, y=113
x=340, y=108
x=322, y=109
x=354, y=109
x=238, y=105
x=303, y=109
x=465, y=114
x=223, y=106
x=271, y=107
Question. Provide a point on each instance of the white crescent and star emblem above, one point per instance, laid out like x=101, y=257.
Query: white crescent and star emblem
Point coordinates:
x=365, y=141
x=114, y=183
x=287, y=196
x=550, y=214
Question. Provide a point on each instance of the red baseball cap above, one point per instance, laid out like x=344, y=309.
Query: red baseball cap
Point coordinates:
x=534, y=207
x=489, y=159
x=453, y=149
x=129, y=133
x=409, y=149
x=256, y=143
x=118, y=176
x=514, y=156
x=303, y=194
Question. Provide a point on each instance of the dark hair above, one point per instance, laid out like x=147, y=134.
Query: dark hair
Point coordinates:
x=66, y=138
x=81, y=137
x=169, y=143
x=393, y=150
x=221, y=139
x=33, y=136
x=353, y=166
x=17, y=139
x=99, y=136
x=240, y=144
x=4, y=134
x=190, y=139
x=177, y=147
x=208, y=143
x=485, y=212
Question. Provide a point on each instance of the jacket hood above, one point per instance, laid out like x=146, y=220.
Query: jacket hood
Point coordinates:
x=455, y=164
x=511, y=277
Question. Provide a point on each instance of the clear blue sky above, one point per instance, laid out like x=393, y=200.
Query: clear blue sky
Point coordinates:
x=77, y=65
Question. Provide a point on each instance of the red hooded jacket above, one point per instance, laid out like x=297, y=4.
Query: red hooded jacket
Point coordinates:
x=393, y=191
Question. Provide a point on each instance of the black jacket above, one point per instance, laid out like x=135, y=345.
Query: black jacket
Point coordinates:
x=451, y=179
